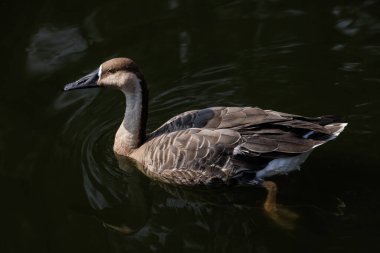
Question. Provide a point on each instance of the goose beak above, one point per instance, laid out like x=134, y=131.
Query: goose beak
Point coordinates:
x=88, y=81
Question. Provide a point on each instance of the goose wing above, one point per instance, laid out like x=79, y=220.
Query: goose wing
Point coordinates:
x=217, y=118
x=241, y=118
x=230, y=144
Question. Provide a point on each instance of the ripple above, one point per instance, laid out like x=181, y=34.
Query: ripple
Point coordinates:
x=198, y=89
x=352, y=67
x=347, y=27
x=81, y=100
x=114, y=187
x=354, y=19
x=91, y=138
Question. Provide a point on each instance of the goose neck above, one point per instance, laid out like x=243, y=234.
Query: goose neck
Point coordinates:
x=131, y=133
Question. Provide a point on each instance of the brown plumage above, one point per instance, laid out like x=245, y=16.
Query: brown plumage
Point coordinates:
x=217, y=145
x=228, y=145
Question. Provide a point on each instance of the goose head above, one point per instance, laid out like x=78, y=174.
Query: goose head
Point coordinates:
x=117, y=73
x=122, y=74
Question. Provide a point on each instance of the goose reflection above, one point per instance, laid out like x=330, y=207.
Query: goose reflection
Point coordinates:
x=117, y=195
x=140, y=214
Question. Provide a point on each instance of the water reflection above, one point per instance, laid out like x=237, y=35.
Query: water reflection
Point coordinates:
x=184, y=42
x=352, y=19
x=118, y=195
x=148, y=216
x=91, y=28
x=52, y=47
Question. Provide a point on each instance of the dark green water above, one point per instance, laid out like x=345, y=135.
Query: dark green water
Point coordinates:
x=60, y=184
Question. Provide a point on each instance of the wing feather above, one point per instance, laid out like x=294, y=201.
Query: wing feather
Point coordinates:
x=194, y=149
x=222, y=143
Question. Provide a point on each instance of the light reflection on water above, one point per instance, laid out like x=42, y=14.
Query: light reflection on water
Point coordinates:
x=51, y=48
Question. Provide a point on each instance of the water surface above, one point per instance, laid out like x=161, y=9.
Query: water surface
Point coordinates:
x=62, y=188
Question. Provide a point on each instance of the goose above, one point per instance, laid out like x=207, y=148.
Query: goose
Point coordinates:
x=212, y=146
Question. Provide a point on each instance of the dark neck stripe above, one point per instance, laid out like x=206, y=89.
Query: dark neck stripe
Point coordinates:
x=144, y=111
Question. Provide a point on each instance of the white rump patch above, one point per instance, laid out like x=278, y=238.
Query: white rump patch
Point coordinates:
x=282, y=165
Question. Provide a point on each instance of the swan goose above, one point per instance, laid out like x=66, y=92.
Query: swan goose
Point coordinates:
x=212, y=146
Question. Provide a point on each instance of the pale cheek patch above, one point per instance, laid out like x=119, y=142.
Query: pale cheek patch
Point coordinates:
x=116, y=80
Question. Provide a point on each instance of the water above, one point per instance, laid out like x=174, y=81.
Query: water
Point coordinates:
x=61, y=187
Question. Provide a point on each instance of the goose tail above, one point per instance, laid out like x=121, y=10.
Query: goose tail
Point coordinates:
x=335, y=129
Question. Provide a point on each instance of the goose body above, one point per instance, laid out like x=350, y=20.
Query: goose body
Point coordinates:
x=216, y=145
